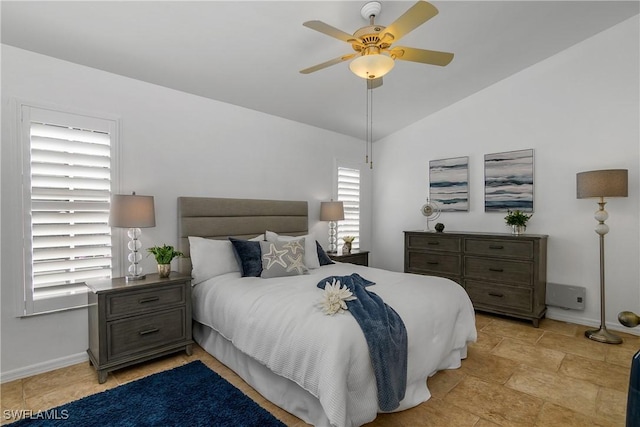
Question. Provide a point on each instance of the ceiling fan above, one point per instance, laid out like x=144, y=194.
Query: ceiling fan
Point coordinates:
x=374, y=54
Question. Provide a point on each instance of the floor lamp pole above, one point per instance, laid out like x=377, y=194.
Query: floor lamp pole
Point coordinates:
x=602, y=334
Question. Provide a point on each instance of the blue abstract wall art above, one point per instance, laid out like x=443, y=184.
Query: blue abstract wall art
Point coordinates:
x=449, y=183
x=508, y=181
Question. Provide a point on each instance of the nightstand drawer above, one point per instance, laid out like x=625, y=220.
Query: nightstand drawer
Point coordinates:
x=142, y=333
x=499, y=296
x=500, y=248
x=440, y=263
x=130, y=303
x=433, y=242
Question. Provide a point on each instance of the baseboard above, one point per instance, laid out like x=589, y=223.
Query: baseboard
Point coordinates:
x=558, y=315
x=40, y=368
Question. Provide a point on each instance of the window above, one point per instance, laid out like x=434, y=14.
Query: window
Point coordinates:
x=67, y=182
x=349, y=195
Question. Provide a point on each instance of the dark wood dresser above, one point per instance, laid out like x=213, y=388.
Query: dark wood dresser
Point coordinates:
x=130, y=322
x=502, y=273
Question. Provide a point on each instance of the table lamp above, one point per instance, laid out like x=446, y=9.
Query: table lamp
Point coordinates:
x=332, y=212
x=133, y=212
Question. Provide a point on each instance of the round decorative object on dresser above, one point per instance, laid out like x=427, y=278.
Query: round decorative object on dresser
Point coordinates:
x=439, y=227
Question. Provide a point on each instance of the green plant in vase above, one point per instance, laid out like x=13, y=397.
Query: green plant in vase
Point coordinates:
x=164, y=255
x=517, y=220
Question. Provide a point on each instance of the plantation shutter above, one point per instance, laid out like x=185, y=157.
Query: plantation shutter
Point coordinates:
x=349, y=194
x=68, y=181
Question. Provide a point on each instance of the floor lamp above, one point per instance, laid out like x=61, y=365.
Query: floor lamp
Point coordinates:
x=332, y=212
x=601, y=184
x=133, y=212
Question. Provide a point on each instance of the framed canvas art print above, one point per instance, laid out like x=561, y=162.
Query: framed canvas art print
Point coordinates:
x=508, y=181
x=449, y=183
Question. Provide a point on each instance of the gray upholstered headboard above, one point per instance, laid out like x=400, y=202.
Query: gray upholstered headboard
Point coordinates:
x=219, y=218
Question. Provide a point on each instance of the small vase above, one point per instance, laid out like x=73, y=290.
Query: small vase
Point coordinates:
x=164, y=270
x=346, y=248
x=518, y=229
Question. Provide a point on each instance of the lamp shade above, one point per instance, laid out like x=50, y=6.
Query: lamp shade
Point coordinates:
x=371, y=66
x=331, y=211
x=132, y=211
x=602, y=183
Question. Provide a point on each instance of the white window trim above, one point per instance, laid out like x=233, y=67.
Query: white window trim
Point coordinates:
x=361, y=168
x=24, y=297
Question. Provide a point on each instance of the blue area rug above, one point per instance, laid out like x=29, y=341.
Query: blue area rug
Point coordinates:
x=190, y=395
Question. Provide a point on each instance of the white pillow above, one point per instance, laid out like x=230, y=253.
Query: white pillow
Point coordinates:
x=211, y=258
x=310, y=250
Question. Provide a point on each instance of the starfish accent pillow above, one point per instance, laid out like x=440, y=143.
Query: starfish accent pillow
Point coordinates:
x=283, y=258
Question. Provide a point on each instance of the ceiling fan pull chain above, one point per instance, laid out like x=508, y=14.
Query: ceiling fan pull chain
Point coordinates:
x=371, y=129
x=366, y=142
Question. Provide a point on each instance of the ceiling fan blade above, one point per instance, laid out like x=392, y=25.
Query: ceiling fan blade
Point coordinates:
x=424, y=56
x=331, y=31
x=374, y=83
x=417, y=15
x=328, y=63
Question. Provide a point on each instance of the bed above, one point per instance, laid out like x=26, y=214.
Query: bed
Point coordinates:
x=274, y=335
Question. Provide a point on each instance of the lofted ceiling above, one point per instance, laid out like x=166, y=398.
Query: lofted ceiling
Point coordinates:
x=248, y=53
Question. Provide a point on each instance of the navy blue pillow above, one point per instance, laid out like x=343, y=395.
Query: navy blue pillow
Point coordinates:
x=249, y=257
x=322, y=255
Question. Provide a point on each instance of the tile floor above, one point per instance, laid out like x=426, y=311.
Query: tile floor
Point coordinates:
x=515, y=375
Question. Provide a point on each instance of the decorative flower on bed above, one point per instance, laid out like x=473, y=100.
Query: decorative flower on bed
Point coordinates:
x=335, y=298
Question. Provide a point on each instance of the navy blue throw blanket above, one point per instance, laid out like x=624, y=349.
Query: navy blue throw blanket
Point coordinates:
x=386, y=338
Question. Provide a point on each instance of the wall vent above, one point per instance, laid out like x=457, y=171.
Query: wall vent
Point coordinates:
x=565, y=296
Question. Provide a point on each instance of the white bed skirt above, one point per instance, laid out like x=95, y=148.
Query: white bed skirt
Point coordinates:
x=283, y=392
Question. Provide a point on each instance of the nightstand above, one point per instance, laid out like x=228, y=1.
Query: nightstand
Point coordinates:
x=355, y=257
x=131, y=322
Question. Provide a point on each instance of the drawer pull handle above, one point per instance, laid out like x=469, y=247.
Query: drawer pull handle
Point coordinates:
x=433, y=243
x=493, y=294
x=433, y=262
x=498, y=270
x=148, y=299
x=149, y=331
x=496, y=247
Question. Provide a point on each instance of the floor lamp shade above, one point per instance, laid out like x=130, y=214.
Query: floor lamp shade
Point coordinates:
x=332, y=212
x=133, y=212
x=601, y=184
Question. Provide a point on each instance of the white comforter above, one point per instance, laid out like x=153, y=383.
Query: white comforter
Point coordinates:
x=278, y=322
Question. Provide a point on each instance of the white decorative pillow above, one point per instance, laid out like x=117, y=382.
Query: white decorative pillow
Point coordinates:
x=211, y=258
x=310, y=250
x=283, y=258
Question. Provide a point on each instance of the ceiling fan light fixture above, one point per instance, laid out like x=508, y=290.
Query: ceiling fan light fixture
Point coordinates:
x=371, y=66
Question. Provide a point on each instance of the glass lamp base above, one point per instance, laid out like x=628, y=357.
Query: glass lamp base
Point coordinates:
x=602, y=335
x=131, y=278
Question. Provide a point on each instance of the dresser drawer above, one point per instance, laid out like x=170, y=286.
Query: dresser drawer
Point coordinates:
x=139, y=334
x=437, y=263
x=136, y=302
x=500, y=248
x=433, y=242
x=500, y=296
x=499, y=270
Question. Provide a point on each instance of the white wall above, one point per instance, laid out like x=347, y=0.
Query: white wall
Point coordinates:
x=172, y=144
x=579, y=111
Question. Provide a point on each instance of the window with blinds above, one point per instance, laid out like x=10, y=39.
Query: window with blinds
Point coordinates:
x=349, y=195
x=67, y=173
